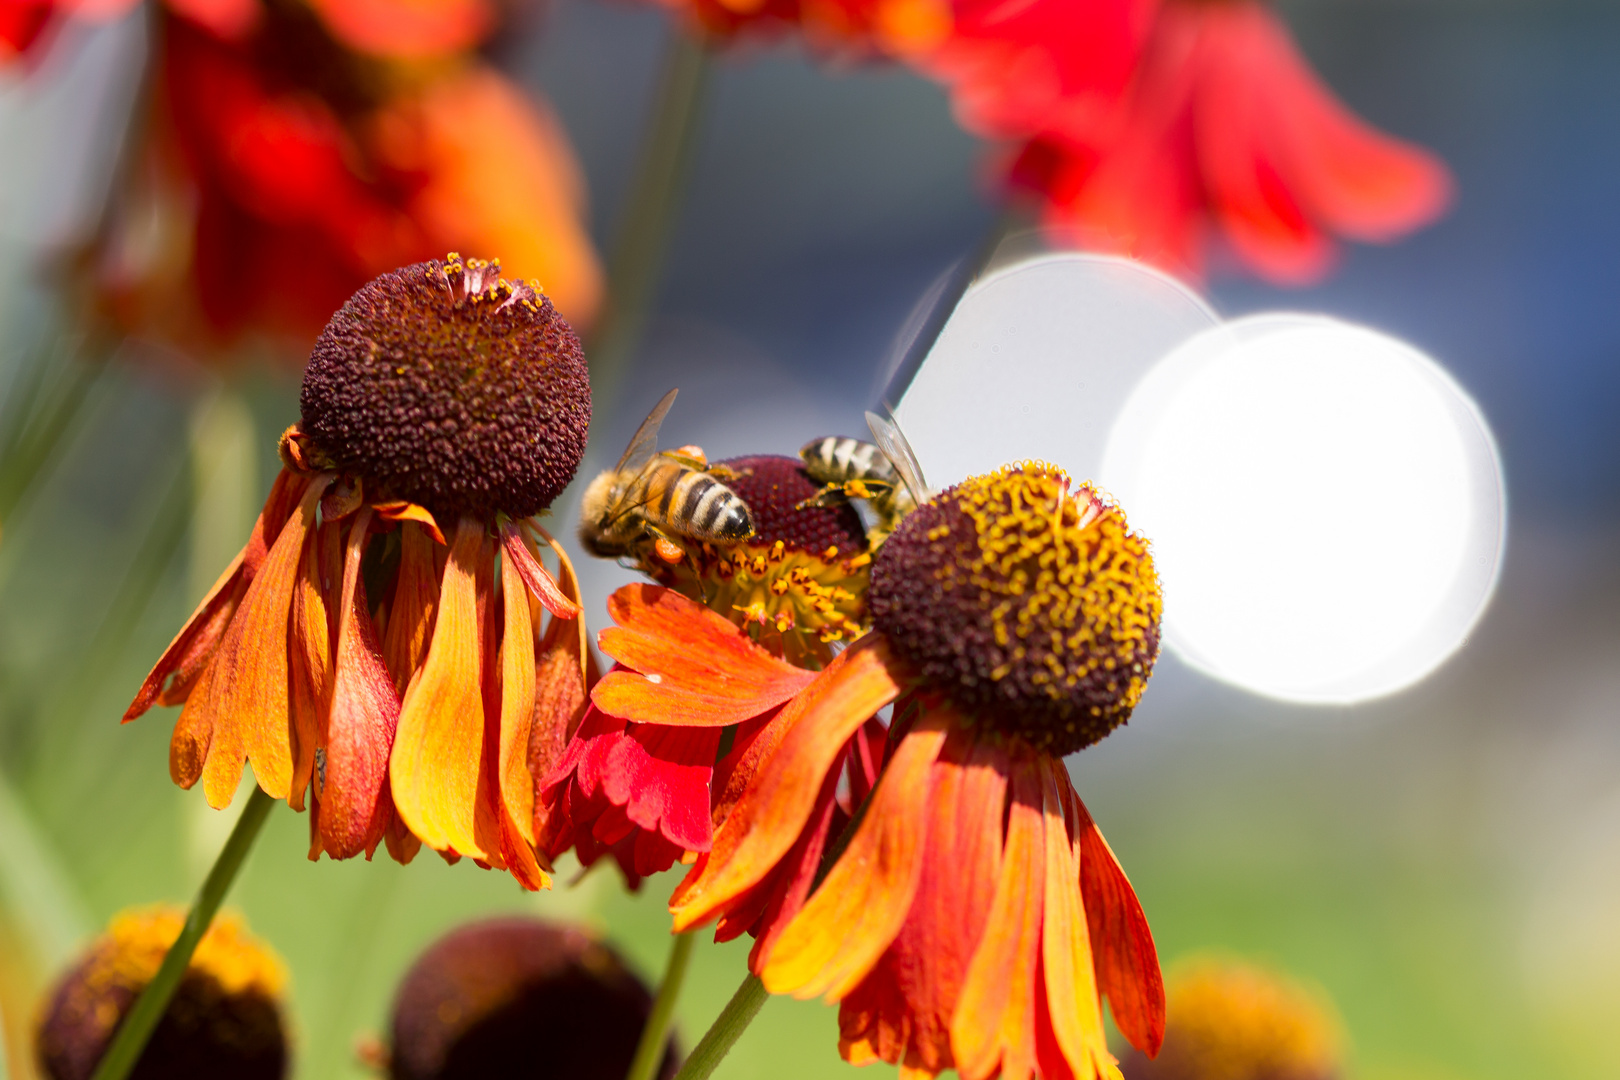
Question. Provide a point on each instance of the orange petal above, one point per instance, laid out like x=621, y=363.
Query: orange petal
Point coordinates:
x=1122, y=945
x=1074, y=1010
x=310, y=654
x=535, y=576
x=402, y=512
x=407, y=29
x=194, y=645
x=708, y=673
x=364, y=716
x=847, y=924
x=994, y=1023
x=242, y=697
x=902, y=1012
x=410, y=616
x=439, y=747
x=769, y=816
x=517, y=705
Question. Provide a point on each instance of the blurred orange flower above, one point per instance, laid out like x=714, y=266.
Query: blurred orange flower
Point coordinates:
x=975, y=918
x=295, y=149
x=439, y=393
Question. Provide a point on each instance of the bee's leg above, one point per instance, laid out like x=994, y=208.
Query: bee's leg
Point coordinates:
x=833, y=494
x=690, y=456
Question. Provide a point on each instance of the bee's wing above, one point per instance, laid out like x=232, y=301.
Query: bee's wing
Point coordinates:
x=892, y=441
x=644, y=443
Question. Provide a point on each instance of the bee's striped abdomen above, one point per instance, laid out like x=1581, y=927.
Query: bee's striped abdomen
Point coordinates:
x=695, y=504
x=836, y=458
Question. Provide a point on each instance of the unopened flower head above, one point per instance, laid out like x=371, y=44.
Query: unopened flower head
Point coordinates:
x=352, y=651
x=1030, y=603
x=499, y=997
x=225, y=1018
x=800, y=581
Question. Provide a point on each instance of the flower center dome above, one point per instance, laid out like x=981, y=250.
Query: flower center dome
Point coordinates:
x=1031, y=605
x=445, y=385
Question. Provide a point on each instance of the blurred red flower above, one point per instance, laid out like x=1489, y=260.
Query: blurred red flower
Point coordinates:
x=1154, y=128
x=1222, y=134
x=295, y=150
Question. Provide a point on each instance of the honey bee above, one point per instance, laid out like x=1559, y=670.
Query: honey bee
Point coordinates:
x=885, y=474
x=660, y=499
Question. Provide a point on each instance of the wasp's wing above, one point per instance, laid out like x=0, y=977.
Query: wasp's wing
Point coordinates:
x=892, y=441
x=644, y=444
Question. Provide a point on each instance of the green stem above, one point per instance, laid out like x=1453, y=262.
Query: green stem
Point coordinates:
x=634, y=267
x=137, y=1028
x=655, y=1035
x=725, y=1031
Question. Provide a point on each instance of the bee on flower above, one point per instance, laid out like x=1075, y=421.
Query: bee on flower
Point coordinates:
x=794, y=588
x=360, y=648
x=968, y=914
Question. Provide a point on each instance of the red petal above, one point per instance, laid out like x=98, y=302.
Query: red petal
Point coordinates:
x=1122, y=945
x=535, y=576
x=355, y=808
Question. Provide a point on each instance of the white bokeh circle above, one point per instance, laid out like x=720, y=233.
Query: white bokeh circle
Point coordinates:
x=1325, y=504
x=1036, y=360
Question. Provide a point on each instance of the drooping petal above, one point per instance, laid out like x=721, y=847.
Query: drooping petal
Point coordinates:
x=534, y=575
x=697, y=668
x=517, y=703
x=561, y=679
x=902, y=1012
x=993, y=1027
x=362, y=722
x=415, y=601
x=772, y=905
x=402, y=512
x=1122, y=945
x=310, y=653
x=769, y=816
x=437, y=763
x=241, y=701
x=846, y=925
x=1073, y=1007
x=194, y=646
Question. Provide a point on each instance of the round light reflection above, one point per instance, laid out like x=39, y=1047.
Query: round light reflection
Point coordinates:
x=1325, y=504
x=1037, y=359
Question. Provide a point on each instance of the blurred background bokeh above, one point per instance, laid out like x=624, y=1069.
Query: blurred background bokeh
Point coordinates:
x=1444, y=862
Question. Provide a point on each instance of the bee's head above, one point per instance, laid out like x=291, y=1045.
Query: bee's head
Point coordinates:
x=596, y=517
